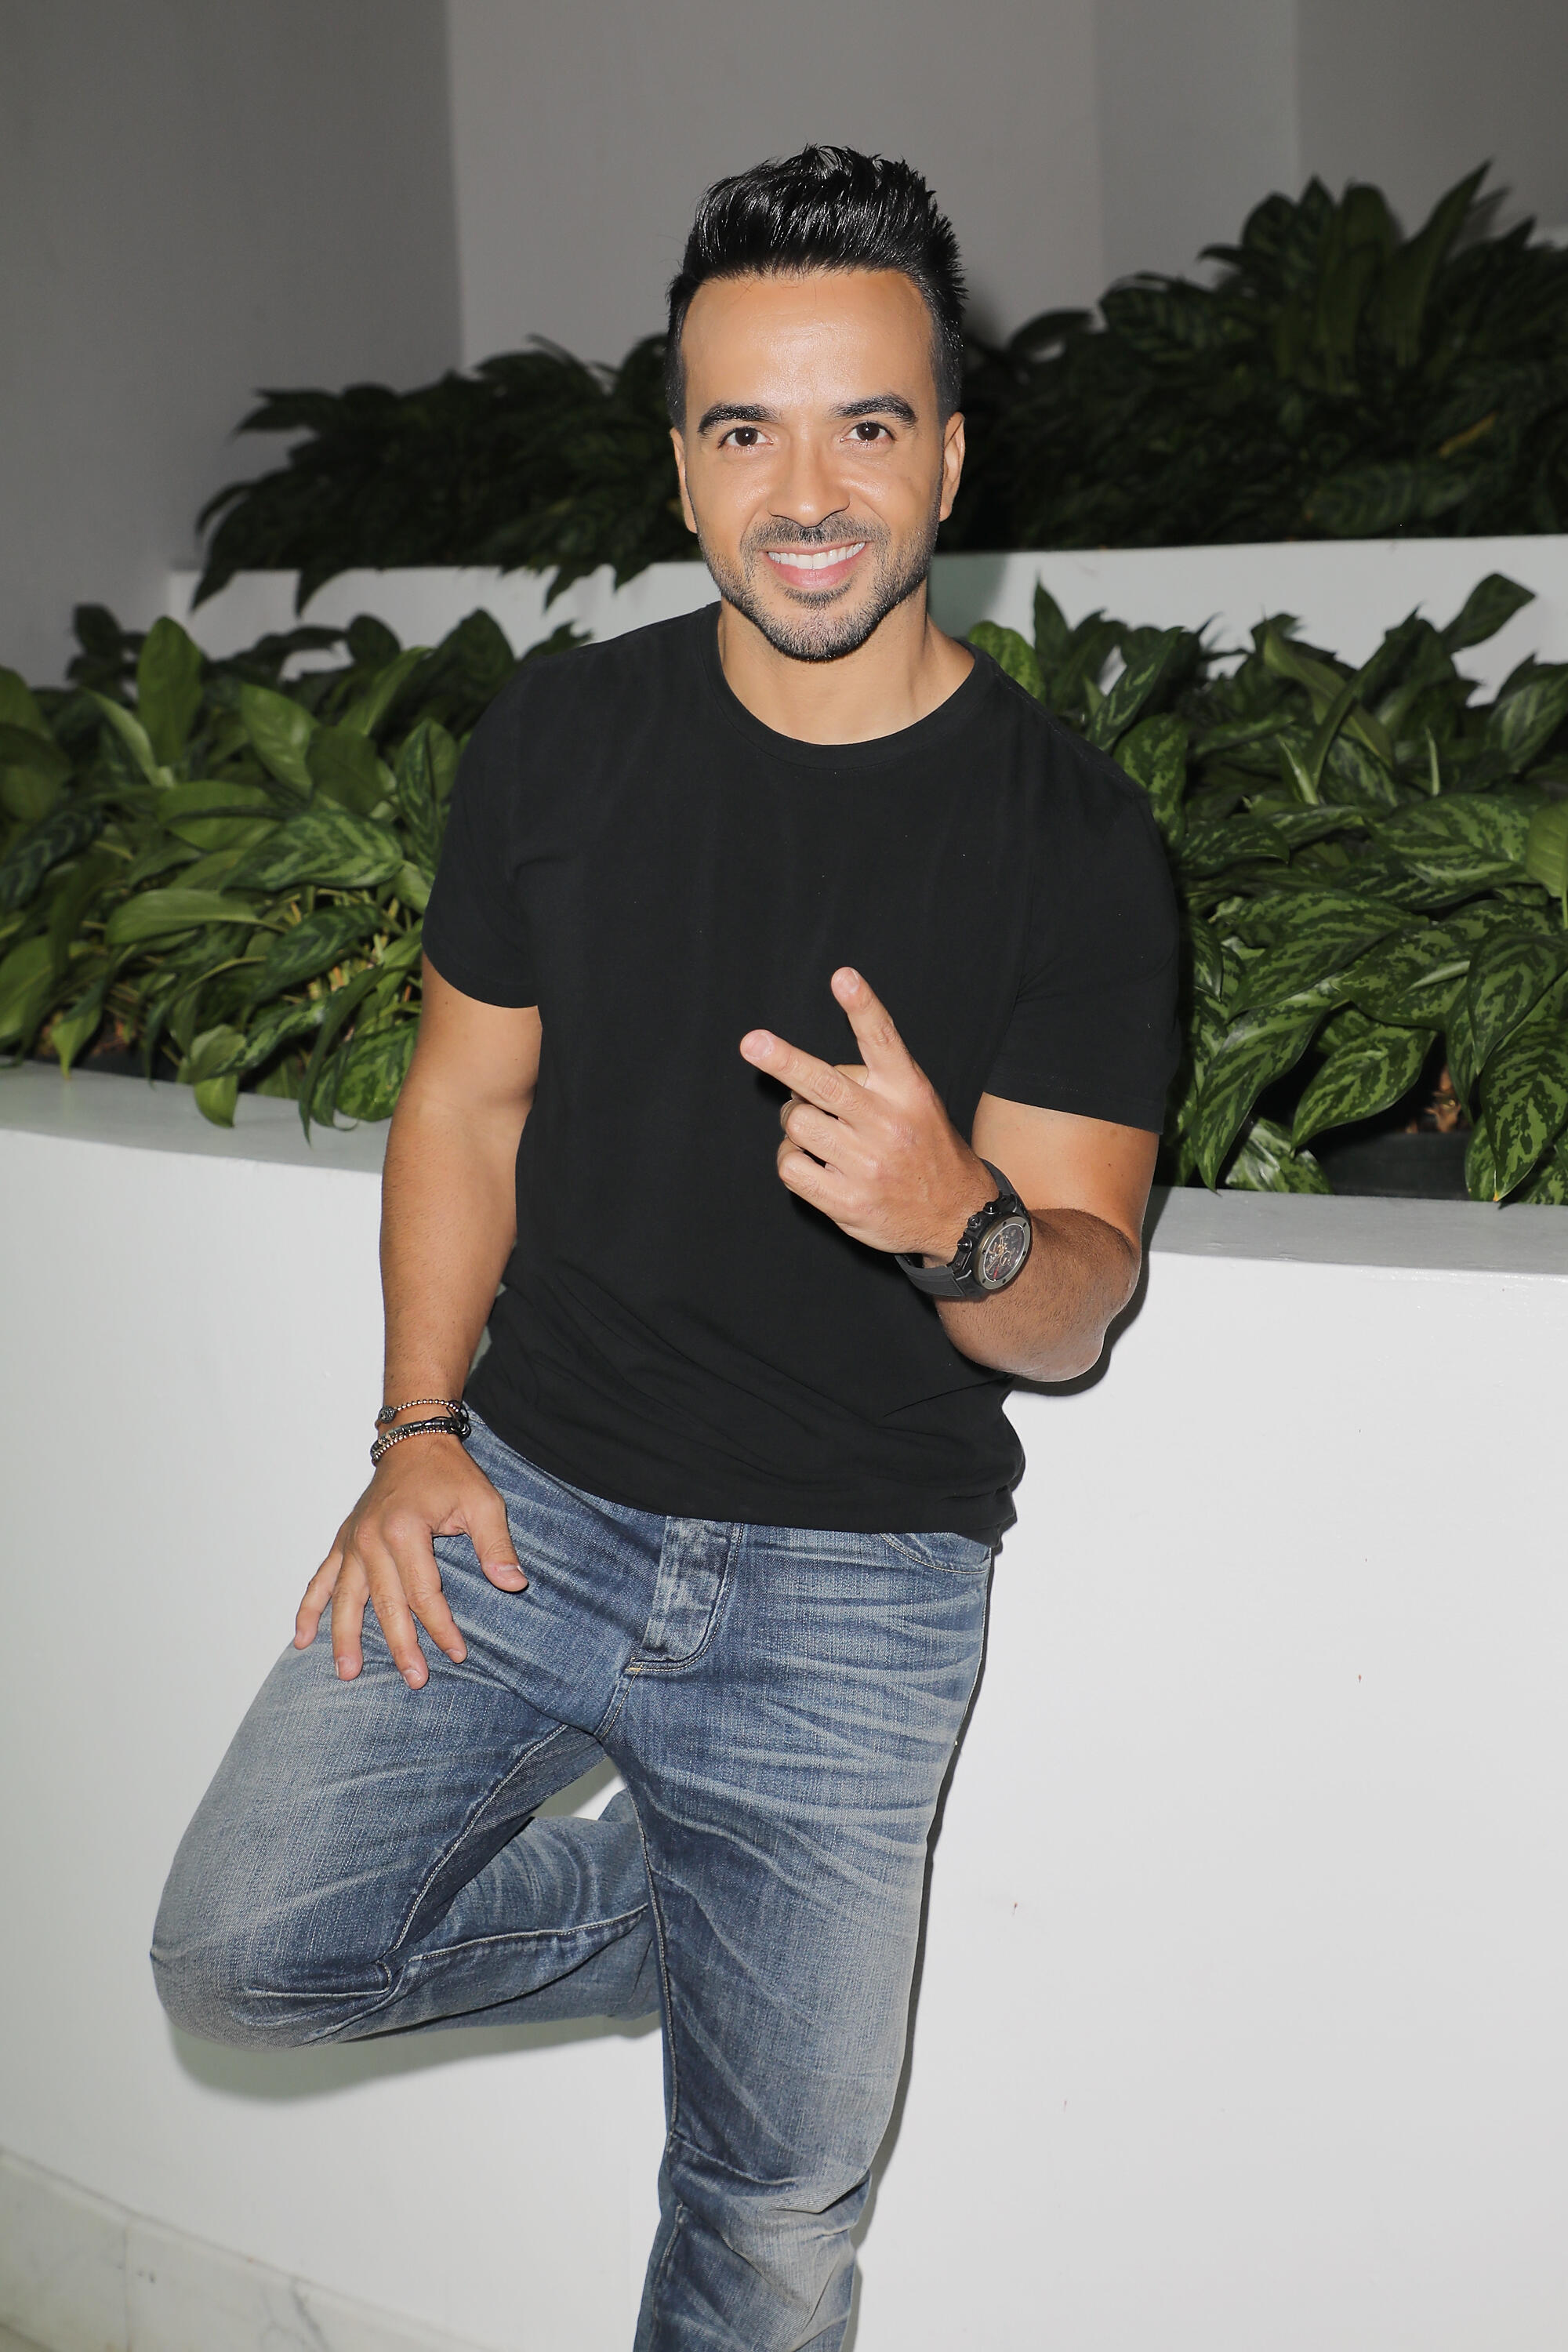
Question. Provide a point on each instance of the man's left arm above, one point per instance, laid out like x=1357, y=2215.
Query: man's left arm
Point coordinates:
x=872, y=1147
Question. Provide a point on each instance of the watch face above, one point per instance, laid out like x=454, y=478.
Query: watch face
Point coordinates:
x=1002, y=1252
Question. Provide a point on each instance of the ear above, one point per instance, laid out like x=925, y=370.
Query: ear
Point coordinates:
x=952, y=462
x=677, y=442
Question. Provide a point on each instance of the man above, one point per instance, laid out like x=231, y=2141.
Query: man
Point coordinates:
x=728, y=1515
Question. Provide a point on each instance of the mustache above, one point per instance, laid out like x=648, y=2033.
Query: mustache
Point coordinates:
x=814, y=535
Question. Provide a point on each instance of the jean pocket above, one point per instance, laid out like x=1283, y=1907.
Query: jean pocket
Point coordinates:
x=954, y=1555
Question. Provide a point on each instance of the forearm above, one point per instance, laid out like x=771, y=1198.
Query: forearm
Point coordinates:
x=448, y=1224
x=1050, y=1324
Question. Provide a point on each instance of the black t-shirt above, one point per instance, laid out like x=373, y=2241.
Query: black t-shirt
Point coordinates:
x=633, y=852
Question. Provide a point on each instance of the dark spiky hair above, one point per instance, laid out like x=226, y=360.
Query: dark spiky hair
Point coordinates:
x=825, y=208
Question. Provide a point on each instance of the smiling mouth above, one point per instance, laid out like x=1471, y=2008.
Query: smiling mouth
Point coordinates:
x=807, y=563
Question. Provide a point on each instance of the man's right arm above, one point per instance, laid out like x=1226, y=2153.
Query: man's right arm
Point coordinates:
x=448, y=1224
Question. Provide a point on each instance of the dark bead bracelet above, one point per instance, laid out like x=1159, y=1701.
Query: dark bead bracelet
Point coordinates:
x=447, y=1424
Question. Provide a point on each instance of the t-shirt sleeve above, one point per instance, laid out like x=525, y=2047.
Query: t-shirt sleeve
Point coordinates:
x=475, y=926
x=1094, y=1028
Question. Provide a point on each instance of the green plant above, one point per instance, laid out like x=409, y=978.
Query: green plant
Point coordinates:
x=1335, y=381
x=1372, y=866
x=536, y=460
x=217, y=862
x=1373, y=874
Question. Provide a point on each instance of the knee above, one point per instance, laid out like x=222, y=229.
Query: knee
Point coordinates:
x=781, y=2250
x=227, y=1970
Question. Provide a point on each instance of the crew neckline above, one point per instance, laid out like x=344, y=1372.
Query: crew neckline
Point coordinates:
x=876, y=750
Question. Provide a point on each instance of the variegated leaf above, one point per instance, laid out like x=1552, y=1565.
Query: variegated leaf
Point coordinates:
x=1360, y=1081
x=1266, y=1160
x=1254, y=1051
x=1525, y=1092
x=1510, y=974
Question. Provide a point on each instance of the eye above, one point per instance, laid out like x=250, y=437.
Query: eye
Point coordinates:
x=742, y=436
x=867, y=430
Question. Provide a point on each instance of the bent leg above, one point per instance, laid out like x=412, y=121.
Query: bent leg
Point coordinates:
x=366, y=1858
x=787, y=1780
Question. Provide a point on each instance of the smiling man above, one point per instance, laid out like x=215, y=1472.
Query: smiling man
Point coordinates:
x=721, y=1499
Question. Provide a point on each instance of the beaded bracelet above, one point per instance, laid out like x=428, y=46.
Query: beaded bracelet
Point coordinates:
x=453, y=1424
x=389, y=1412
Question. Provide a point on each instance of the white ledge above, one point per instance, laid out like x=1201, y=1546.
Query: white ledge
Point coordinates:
x=1460, y=1237
x=88, y=1107
x=1350, y=1229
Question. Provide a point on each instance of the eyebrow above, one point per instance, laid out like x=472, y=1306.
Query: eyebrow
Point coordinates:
x=886, y=404
x=751, y=412
x=737, y=412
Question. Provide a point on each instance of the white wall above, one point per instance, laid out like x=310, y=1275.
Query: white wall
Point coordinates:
x=584, y=131
x=197, y=197
x=1346, y=594
x=1241, y=2021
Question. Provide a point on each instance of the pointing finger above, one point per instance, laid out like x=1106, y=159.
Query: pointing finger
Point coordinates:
x=814, y=1081
x=877, y=1036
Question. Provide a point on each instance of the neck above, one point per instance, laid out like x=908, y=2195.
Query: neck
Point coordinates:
x=906, y=667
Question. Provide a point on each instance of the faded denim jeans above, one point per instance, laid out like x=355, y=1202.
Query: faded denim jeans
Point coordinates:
x=783, y=1703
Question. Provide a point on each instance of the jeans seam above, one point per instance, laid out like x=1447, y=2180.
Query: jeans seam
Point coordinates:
x=935, y=1567
x=525, y=1755
x=656, y=2284
x=522, y=1936
x=658, y=1944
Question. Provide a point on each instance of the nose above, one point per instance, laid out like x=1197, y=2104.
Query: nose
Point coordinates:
x=808, y=492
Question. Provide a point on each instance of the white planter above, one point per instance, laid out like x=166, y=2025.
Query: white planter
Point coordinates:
x=1346, y=593
x=1241, y=2022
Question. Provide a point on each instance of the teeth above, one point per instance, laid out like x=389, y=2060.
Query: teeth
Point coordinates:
x=815, y=559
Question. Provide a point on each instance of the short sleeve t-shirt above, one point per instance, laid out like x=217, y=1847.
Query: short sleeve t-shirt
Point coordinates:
x=632, y=851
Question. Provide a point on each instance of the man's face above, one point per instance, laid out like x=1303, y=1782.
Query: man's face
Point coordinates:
x=814, y=467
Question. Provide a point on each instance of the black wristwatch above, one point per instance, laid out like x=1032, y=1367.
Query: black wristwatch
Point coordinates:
x=994, y=1250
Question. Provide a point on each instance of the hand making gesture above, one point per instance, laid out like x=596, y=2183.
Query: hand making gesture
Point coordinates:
x=869, y=1143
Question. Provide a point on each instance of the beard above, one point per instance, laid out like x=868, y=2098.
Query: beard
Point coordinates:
x=823, y=628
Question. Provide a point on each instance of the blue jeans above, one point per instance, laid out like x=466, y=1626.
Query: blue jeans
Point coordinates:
x=783, y=1703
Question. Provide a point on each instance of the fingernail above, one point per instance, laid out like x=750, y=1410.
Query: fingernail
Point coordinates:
x=345, y=1671
x=415, y=1681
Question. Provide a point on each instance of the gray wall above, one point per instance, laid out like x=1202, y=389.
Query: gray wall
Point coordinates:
x=585, y=130
x=1198, y=114
x=1413, y=92
x=197, y=197
x=1071, y=139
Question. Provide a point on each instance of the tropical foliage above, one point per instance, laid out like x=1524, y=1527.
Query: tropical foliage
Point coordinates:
x=212, y=862
x=228, y=865
x=1334, y=381
x=1374, y=877
x=535, y=460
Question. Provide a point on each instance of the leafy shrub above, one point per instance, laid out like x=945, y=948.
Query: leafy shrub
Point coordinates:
x=1372, y=866
x=229, y=868
x=1373, y=871
x=1336, y=381
x=536, y=460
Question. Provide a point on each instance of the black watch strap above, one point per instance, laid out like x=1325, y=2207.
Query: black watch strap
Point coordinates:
x=959, y=1278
